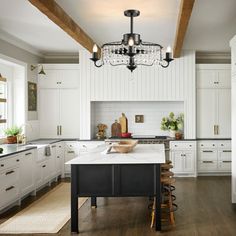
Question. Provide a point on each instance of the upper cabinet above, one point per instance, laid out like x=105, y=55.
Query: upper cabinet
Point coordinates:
x=213, y=77
x=213, y=101
x=60, y=76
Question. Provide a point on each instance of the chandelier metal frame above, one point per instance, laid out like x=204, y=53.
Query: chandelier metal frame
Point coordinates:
x=131, y=50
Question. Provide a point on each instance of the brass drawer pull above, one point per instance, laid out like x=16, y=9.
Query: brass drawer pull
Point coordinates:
x=29, y=153
x=207, y=151
x=8, y=189
x=53, y=146
x=207, y=161
x=71, y=152
x=226, y=150
x=44, y=166
x=226, y=161
x=10, y=172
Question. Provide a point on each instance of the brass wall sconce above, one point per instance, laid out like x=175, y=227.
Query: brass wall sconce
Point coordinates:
x=41, y=72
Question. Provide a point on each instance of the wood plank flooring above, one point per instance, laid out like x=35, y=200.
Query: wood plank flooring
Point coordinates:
x=205, y=209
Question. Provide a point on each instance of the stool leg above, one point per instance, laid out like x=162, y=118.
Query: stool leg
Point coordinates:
x=153, y=213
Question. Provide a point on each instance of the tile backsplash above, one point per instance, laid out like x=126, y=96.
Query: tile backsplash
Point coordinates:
x=108, y=112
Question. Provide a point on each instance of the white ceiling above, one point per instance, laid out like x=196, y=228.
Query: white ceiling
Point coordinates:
x=212, y=25
x=20, y=19
x=104, y=20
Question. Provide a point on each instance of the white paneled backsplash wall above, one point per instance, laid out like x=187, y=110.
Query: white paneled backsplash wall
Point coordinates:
x=109, y=83
x=108, y=112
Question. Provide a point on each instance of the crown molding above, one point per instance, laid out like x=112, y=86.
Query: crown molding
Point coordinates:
x=213, y=55
x=19, y=43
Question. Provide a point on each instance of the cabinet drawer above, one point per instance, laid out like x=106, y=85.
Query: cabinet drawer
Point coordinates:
x=9, y=162
x=224, y=166
x=224, y=145
x=9, y=176
x=182, y=145
x=8, y=194
x=224, y=155
x=207, y=166
x=207, y=155
x=208, y=144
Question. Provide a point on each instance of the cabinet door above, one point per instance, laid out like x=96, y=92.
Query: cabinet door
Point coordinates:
x=188, y=161
x=50, y=80
x=52, y=161
x=206, y=112
x=49, y=113
x=207, y=79
x=224, y=113
x=69, y=113
x=177, y=161
x=224, y=78
x=59, y=158
x=39, y=174
x=27, y=168
x=69, y=79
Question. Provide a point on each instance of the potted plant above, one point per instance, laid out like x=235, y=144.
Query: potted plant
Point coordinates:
x=12, y=133
x=173, y=124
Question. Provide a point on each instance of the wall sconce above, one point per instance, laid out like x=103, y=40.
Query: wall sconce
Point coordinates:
x=41, y=72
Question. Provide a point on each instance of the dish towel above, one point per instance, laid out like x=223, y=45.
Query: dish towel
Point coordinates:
x=47, y=151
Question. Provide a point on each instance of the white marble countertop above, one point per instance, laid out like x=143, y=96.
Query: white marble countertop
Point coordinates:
x=142, y=154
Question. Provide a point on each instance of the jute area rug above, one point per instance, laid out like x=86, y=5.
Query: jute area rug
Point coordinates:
x=46, y=215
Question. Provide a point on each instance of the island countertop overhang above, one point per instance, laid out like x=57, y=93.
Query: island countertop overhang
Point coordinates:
x=142, y=154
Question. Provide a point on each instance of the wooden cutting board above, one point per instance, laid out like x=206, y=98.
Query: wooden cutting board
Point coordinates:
x=116, y=129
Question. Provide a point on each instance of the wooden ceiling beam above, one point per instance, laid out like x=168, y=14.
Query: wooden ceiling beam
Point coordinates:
x=186, y=7
x=56, y=14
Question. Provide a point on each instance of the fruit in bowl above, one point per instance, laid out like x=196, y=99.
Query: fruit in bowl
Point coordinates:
x=126, y=135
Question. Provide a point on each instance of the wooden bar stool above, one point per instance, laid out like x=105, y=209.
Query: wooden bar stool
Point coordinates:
x=167, y=181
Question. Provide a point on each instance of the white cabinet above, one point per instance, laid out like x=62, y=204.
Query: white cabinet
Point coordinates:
x=59, y=113
x=60, y=159
x=60, y=76
x=213, y=76
x=213, y=101
x=214, y=157
x=42, y=173
x=27, y=172
x=52, y=161
x=71, y=151
x=183, y=157
x=9, y=181
x=59, y=101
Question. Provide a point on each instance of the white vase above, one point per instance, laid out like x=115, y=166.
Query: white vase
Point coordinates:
x=172, y=133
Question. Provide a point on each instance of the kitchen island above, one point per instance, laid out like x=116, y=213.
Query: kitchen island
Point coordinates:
x=134, y=174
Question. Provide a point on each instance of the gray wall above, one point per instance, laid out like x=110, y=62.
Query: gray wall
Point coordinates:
x=12, y=51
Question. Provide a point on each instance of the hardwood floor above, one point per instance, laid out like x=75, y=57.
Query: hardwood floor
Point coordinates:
x=204, y=209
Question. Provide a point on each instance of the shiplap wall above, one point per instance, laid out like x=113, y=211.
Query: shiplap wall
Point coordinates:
x=175, y=83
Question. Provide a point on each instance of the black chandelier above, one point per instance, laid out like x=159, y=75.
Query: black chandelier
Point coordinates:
x=131, y=51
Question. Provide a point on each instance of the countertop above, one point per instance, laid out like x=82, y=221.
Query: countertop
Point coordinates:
x=142, y=154
x=11, y=149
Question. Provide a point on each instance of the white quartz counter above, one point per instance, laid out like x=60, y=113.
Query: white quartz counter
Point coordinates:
x=142, y=154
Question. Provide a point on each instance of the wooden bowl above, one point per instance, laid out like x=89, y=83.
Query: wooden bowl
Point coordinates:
x=125, y=146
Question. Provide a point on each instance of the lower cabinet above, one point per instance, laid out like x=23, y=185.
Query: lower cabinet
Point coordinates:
x=42, y=173
x=27, y=170
x=183, y=157
x=16, y=177
x=214, y=157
